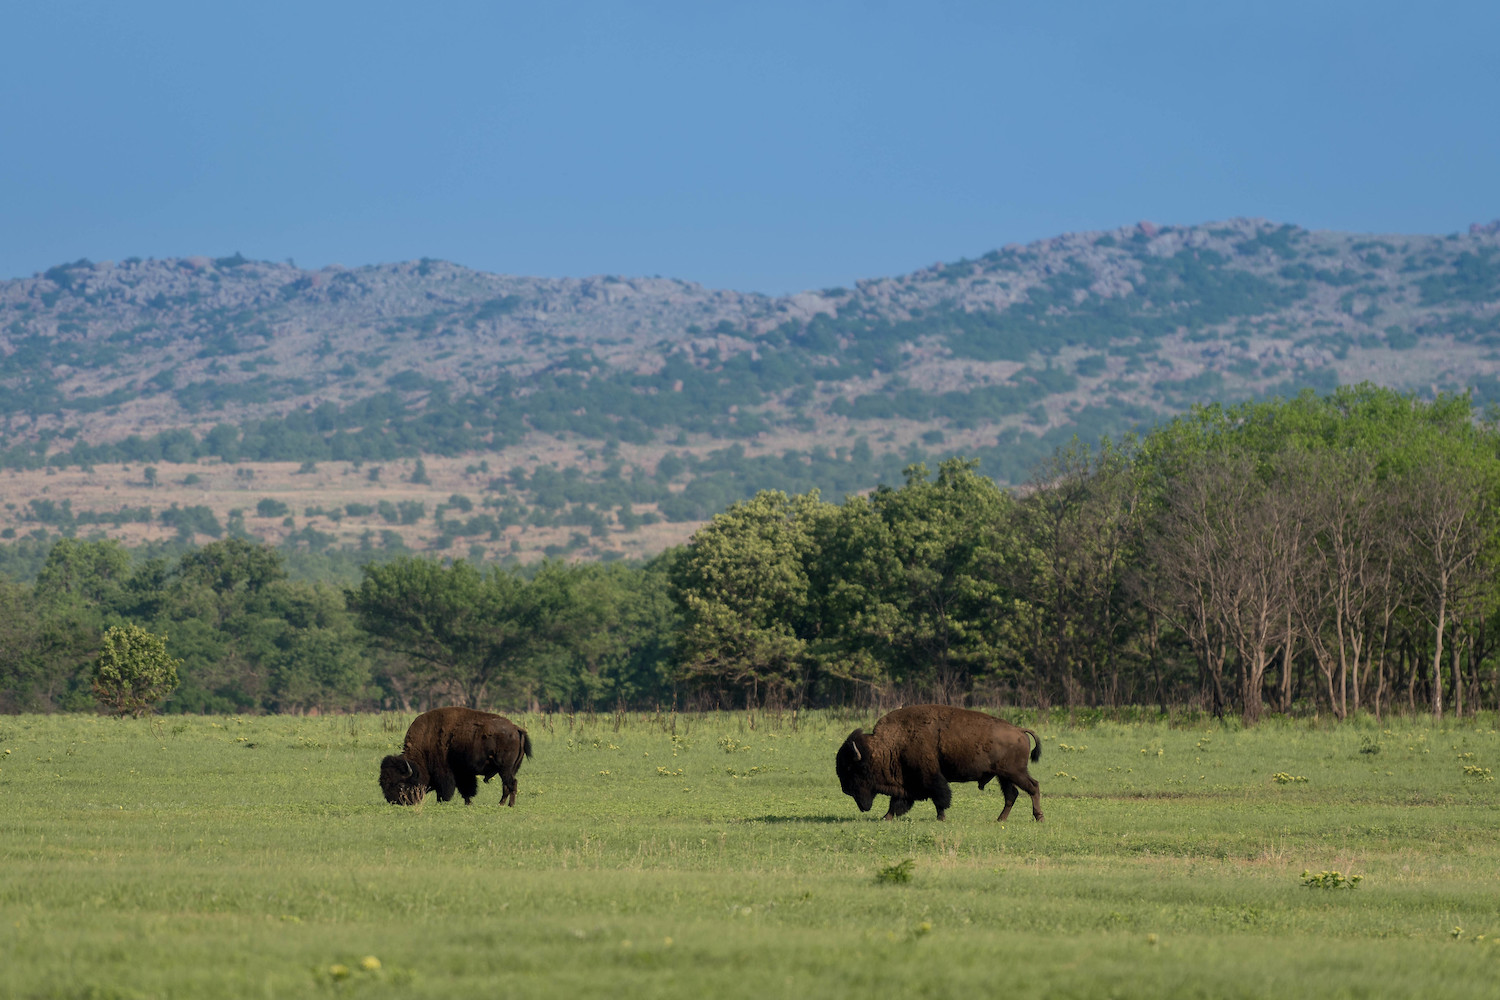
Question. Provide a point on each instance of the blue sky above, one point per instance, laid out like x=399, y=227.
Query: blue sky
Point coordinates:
x=763, y=147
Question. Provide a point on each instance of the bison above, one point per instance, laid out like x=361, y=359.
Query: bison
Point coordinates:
x=447, y=749
x=915, y=752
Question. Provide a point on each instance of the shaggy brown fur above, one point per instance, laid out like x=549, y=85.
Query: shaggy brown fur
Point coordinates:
x=915, y=752
x=447, y=750
x=403, y=781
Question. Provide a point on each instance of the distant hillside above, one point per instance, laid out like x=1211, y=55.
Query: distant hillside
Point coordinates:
x=676, y=399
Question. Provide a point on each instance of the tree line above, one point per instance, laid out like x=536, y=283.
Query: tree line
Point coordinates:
x=1333, y=554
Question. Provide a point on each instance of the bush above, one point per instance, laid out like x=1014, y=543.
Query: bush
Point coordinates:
x=271, y=507
x=133, y=671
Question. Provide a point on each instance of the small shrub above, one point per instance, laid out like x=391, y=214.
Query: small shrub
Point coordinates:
x=897, y=874
x=271, y=507
x=133, y=671
x=1329, y=880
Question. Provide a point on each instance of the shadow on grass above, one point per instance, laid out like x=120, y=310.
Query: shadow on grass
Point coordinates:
x=796, y=819
x=1148, y=793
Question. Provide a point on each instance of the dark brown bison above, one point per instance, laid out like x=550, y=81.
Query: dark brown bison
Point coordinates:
x=447, y=749
x=915, y=752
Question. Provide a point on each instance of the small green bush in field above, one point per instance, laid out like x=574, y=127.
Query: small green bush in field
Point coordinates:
x=897, y=874
x=1329, y=880
x=133, y=671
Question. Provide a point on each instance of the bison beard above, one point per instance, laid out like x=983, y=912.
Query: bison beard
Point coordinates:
x=913, y=753
x=448, y=749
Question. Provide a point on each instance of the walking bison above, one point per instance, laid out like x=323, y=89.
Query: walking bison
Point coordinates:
x=913, y=753
x=447, y=749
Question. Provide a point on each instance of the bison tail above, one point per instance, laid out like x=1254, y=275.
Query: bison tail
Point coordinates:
x=525, y=742
x=1036, y=751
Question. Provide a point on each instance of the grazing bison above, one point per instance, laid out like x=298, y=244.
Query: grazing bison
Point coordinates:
x=447, y=749
x=915, y=752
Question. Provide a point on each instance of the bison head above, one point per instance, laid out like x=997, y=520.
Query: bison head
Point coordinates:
x=403, y=780
x=856, y=776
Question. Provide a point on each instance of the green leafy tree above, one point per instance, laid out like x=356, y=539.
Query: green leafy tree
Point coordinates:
x=232, y=571
x=76, y=588
x=471, y=630
x=83, y=571
x=304, y=641
x=919, y=580
x=1082, y=523
x=22, y=645
x=133, y=672
x=744, y=591
x=612, y=631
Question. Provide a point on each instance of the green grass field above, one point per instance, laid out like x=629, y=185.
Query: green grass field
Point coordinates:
x=255, y=857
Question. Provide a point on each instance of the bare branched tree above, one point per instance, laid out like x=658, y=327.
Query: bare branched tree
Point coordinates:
x=1446, y=512
x=1190, y=554
x=1346, y=600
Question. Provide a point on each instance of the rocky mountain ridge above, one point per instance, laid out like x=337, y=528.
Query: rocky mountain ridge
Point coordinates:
x=1093, y=331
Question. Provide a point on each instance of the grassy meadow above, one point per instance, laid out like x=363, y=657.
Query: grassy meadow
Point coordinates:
x=714, y=855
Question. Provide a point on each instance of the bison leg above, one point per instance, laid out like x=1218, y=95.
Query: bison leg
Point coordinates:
x=443, y=784
x=1030, y=787
x=899, y=807
x=942, y=796
x=1011, y=793
x=468, y=786
x=508, y=791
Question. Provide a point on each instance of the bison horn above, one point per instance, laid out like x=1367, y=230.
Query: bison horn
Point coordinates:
x=408, y=765
x=855, y=747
